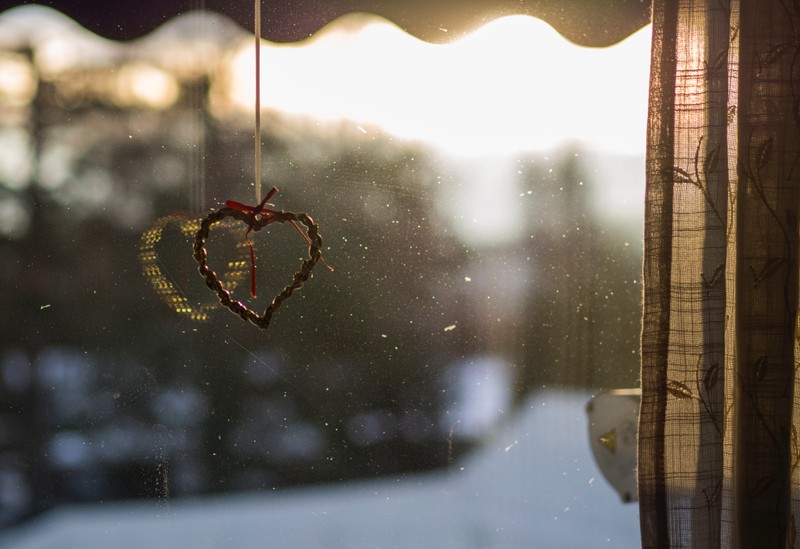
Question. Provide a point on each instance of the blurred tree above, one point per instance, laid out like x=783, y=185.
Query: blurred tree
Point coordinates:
x=584, y=312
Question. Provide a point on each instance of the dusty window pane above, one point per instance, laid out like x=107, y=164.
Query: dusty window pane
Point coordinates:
x=480, y=206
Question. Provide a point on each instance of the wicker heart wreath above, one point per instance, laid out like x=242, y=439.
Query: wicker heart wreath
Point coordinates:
x=256, y=218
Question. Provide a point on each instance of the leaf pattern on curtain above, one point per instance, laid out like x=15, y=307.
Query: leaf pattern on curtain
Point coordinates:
x=719, y=452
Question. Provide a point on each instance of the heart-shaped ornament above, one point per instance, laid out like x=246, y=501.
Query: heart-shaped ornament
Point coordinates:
x=257, y=218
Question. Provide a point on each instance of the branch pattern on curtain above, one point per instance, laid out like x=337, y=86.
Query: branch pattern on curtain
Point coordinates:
x=718, y=435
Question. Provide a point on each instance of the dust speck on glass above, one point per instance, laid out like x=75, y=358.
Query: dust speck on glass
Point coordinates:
x=481, y=201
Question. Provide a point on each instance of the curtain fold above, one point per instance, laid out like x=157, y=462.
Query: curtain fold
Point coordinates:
x=718, y=433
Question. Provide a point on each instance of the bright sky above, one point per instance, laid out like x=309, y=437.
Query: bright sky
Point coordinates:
x=514, y=84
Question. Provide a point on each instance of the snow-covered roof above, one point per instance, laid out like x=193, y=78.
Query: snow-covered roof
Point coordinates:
x=533, y=484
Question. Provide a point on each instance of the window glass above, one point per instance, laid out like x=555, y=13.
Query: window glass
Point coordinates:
x=480, y=203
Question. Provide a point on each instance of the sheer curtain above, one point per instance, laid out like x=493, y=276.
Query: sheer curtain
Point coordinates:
x=718, y=440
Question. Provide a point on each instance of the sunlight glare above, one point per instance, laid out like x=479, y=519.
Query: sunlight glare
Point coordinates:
x=514, y=84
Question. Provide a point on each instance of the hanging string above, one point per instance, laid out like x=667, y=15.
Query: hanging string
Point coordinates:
x=257, y=33
x=196, y=98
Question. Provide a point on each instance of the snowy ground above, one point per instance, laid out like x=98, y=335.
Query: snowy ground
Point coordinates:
x=533, y=484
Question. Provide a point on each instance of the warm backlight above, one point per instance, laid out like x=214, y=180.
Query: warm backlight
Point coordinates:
x=514, y=84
